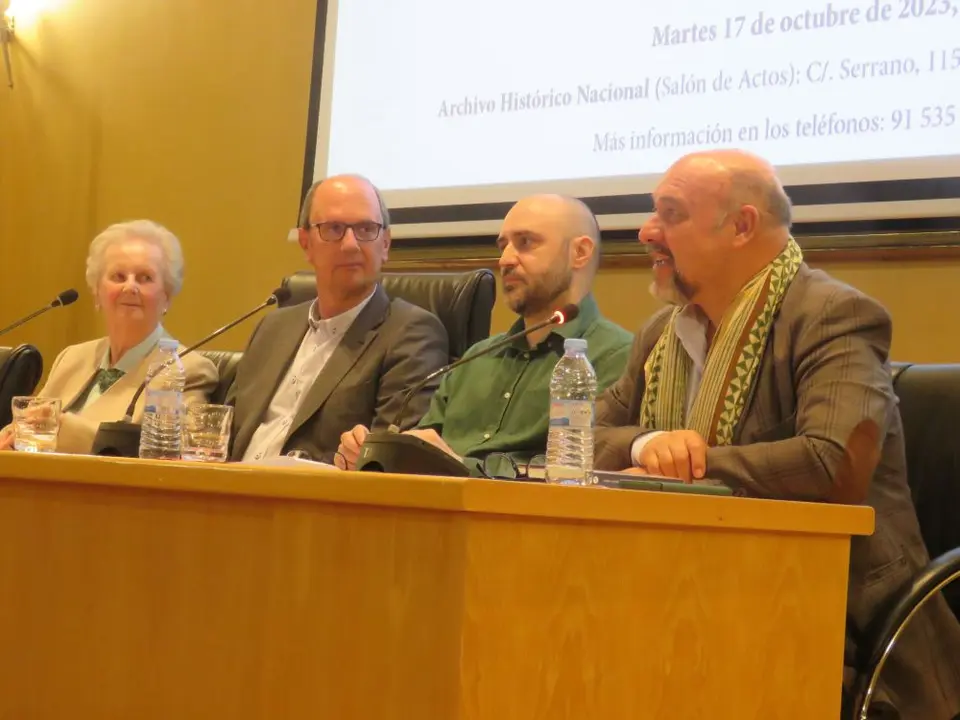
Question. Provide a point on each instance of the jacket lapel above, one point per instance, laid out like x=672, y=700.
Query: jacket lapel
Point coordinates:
x=751, y=402
x=355, y=341
x=79, y=374
x=279, y=352
x=772, y=398
x=111, y=405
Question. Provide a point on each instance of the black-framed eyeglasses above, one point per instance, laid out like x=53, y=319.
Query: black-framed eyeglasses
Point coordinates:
x=364, y=231
x=501, y=466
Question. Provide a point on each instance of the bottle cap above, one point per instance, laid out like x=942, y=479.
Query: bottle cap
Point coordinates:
x=575, y=344
x=169, y=343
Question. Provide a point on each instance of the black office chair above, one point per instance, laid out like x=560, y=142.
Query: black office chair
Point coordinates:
x=929, y=405
x=226, y=362
x=462, y=301
x=20, y=371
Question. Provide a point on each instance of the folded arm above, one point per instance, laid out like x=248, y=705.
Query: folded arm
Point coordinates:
x=77, y=433
x=842, y=379
x=424, y=348
x=616, y=417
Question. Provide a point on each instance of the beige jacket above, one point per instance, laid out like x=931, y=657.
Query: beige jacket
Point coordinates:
x=76, y=366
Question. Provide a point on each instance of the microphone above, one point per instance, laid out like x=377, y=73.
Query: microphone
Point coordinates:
x=280, y=295
x=393, y=452
x=123, y=438
x=67, y=297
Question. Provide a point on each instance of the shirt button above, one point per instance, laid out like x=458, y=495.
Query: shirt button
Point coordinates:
x=507, y=395
x=486, y=436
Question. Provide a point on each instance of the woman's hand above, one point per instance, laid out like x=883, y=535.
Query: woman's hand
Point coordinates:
x=6, y=438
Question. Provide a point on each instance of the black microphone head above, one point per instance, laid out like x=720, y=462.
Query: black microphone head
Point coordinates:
x=566, y=313
x=67, y=297
x=279, y=296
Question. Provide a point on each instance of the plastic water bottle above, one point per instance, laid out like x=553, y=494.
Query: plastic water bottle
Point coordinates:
x=163, y=405
x=573, y=393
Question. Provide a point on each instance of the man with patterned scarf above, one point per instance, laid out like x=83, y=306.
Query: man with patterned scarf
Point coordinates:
x=757, y=376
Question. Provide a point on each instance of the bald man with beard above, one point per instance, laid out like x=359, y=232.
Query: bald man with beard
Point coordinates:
x=760, y=375
x=498, y=404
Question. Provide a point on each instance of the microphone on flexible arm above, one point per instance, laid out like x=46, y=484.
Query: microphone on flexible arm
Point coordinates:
x=122, y=438
x=67, y=297
x=392, y=451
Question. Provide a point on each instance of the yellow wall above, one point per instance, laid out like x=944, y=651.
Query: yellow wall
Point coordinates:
x=920, y=296
x=193, y=113
x=190, y=112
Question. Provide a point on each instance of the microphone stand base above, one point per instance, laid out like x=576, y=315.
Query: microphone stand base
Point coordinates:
x=117, y=439
x=392, y=452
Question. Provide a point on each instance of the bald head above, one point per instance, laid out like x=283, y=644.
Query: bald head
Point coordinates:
x=550, y=250
x=737, y=178
x=339, y=185
x=345, y=235
x=561, y=216
x=719, y=218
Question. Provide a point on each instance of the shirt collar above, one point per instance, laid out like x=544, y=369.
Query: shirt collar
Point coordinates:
x=135, y=355
x=338, y=324
x=690, y=327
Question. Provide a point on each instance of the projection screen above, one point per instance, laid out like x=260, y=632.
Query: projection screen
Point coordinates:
x=457, y=109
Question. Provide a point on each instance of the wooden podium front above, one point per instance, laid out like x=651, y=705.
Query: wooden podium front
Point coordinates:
x=173, y=591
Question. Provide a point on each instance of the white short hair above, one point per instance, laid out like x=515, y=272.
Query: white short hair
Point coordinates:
x=149, y=232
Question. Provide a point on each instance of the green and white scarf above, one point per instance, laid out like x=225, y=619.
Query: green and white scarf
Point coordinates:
x=732, y=361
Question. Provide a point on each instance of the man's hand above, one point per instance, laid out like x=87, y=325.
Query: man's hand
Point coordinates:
x=433, y=438
x=634, y=471
x=348, y=451
x=6, y=438
x=680, y=454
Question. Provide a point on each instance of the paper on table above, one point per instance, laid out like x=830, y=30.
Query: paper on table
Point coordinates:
x=287, y=461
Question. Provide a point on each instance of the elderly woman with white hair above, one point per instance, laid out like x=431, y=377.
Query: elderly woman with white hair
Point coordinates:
x=134, y=270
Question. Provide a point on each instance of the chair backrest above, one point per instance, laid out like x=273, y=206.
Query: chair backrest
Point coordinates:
x=20, y=371
x=226, y=362
x=462, y=301
x=930, y=407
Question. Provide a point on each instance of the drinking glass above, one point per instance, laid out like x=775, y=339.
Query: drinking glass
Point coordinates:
x=36, y=422
x=206, y=433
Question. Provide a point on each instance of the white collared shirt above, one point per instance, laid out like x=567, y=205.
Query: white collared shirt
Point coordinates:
x=690, y=328
x=317, y=347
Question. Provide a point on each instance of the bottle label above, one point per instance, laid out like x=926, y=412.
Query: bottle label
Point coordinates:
x=162, y=401
x=571, y=413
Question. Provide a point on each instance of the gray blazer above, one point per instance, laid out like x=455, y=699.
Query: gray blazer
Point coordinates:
x=388, y=348
x=826, y=369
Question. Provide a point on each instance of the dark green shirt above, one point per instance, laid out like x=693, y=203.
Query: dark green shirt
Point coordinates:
x=501, y=402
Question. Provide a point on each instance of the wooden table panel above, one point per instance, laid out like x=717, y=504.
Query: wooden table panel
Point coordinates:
x=156, y=590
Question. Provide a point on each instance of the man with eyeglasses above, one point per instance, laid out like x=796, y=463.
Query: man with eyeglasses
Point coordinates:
x=316, y=369
x=492, y=413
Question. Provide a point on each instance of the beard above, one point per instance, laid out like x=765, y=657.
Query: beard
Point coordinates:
x=538, y=297
x=676, y=290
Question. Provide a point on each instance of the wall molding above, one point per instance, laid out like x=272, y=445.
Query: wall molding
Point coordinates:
x=621, y=254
